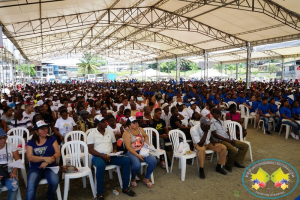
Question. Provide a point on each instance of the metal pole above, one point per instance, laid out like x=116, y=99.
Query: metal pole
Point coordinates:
x=236, y=71
x=248, y=69
x=282, y=67
x=177, y=70
x=205, y=67
x=221, y=70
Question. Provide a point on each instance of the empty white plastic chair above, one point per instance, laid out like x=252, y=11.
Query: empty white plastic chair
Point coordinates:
x=174, y=137
x=74, y=150
x=245, y=114
x=19, y=132
x=149, y=132
x=76, y=136
x=231, y=125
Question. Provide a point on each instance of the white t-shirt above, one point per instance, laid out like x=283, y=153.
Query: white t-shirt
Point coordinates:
x=102, y=143
x=140, y=107
x=40, y=103
x=166, y=118
x=185, y=121
x=125, y=107
x=205, y=112
x=10, y=149
x=191, y=111
x=117, y=130
x=54, y=108
x=65, y=126
x=30, y=116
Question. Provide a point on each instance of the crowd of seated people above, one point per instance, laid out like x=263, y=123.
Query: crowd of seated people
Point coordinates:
x=117, y=112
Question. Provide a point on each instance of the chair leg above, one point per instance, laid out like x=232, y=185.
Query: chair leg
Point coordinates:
x=58, y=192
x=172, y=164
x=120, y=177
x=211, y=157
x=250, y=151
x=24, y=175
x=152, y=178
x=110, y=174
x=166, y=161
x=84, y=182
x=66, y=188
x=287, y=132
x=280, y=129
x=19, y=195
x=193, y=161
x=246, y=122
x=92, y=184
x=183, y=168
x=179, y=163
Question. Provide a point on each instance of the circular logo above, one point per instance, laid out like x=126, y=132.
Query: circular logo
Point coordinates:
x=270, y=178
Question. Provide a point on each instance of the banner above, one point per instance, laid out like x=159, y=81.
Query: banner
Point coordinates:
x=1, y=38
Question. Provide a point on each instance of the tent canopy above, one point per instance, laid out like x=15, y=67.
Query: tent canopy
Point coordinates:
x=211, y=73
x=150, y=73
x=144, y=30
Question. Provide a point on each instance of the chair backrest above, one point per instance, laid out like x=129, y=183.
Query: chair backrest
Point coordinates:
x=73, y=150
x=17, y=140
x=231, y=125
x=149, y=132
x=174, y=136
x=89, y=130
x=76, y=136
x=278, y=104
x=231, y=102
x=242, y=109
x=19, y=132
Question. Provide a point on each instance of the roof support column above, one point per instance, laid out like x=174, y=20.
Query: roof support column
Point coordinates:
x=221, y=69
x=205, y=67
x=236, y=71
x=177, y=70
x=248, y=67
x=282, y=67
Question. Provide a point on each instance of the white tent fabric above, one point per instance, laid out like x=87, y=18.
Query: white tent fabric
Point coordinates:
x=211, y=73
x=150, y=73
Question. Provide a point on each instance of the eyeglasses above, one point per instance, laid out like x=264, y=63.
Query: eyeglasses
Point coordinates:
x=3, y=138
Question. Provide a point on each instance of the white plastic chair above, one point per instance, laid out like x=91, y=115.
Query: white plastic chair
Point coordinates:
x=246, y=115
x=231, y=102
x=287, y=128
x=159, y=151
x=76, y=136
x=19, y=132
x=74, y=150
x=263, y=125
x=174, y=137
x=90, y=155
x=16, y=140
x=231, y=125
x=110, y=168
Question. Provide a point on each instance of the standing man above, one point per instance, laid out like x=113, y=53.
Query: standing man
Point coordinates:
x=221, y=133
x=201, y=135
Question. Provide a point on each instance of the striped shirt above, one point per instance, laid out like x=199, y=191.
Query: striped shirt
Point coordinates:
x=25, y=122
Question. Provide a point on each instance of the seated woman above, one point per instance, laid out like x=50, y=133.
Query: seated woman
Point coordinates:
x=9, y=152
x=235, y=116
x=134, y=139
x=285, y=113
x=42, y=152
x=120, y=113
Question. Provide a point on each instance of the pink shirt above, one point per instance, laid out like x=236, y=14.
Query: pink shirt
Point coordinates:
x=234, y=117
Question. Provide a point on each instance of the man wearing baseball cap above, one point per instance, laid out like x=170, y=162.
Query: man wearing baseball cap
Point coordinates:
x=201, y=135
x=101, y=141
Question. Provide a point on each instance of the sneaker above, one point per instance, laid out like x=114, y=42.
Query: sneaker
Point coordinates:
x=293, y=135
x=297, y=137
x=163, y=164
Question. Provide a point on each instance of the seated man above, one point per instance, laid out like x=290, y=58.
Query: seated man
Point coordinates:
x=160, y=125
x=20, y=122
x=221, y=133
x=263, y=110
x=101, y=141
x=84, y=122
x=201, y=135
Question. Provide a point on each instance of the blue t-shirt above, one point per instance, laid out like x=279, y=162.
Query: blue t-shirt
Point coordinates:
x=296, y=111
x=254, y=105
x=45, y=150
x=264, y=108
x=286, y=111
x=273, y=108
x=216, y=101
x=240, y=100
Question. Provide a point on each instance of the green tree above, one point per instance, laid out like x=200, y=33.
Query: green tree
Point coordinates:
x=230, y=67
x=217, y=67
x=273, y=68
x=26, y=69
x=89, y=63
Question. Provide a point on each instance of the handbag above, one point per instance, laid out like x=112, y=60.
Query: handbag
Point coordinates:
x=4, y=168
